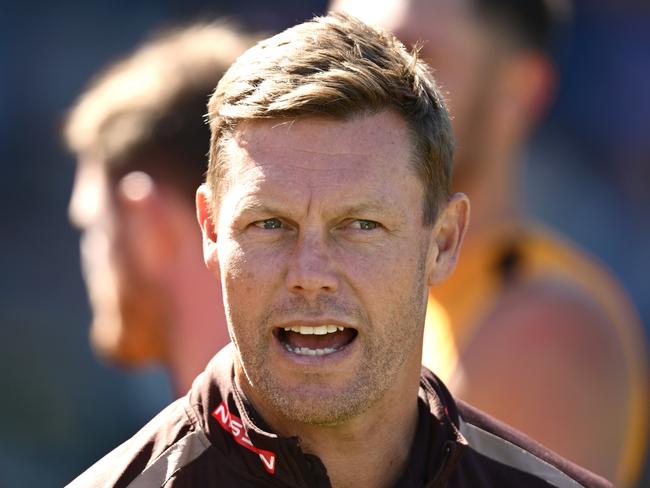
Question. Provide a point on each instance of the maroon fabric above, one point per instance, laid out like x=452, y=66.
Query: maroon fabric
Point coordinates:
x=243, y=451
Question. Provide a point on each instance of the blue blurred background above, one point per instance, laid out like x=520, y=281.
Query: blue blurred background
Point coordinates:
x=588, y=174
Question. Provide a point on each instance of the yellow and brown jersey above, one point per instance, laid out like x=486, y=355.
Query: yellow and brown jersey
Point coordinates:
x=525, y=253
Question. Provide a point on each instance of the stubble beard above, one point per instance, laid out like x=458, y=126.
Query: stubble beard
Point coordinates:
x=314, y=401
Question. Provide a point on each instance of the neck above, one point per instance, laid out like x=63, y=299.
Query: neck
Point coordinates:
x=197, y=329
x=370, y=450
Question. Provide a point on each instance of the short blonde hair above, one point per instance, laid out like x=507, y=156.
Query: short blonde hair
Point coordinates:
x=146, y=111
x=338, y=67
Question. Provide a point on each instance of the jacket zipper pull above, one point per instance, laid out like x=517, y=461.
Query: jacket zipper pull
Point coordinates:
x=451, y=456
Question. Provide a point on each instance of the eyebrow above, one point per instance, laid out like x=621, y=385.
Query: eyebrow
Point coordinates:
x=374, y=206
x=252, y=204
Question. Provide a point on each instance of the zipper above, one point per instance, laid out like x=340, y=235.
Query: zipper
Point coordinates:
x=451, y=456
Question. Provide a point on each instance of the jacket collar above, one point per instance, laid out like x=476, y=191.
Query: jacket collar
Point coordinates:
x=222, y=411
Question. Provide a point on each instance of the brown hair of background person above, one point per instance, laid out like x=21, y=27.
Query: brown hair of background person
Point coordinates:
x=524, y=305
x=318, y=234
x=141, y=142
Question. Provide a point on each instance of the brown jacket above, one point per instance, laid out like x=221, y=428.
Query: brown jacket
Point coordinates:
x=212, y=437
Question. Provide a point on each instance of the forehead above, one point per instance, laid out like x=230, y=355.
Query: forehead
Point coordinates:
x=367, y=154
x=374, y=142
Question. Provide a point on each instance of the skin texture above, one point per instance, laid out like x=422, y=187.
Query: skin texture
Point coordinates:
x=497, y=90
x=317, y=226
x=152, y=300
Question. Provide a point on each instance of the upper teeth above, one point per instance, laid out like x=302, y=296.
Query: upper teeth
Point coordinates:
x=318, y=330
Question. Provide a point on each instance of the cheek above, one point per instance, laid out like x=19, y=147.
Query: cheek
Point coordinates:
x=98, y=257
x=235, y=273
x=246, y=274
x=385, y=274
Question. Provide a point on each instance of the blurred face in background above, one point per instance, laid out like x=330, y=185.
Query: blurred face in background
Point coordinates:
x=128, y=310
x=464, y=53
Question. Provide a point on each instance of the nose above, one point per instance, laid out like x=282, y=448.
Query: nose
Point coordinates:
x=77, y=211
x=311, y=270
x=86, y=199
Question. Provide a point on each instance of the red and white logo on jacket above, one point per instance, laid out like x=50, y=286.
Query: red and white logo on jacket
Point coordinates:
x=233, y=424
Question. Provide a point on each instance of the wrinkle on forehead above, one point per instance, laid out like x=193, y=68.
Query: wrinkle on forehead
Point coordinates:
x=323, y=165
x=277, y=184
x=355, y=138
x=294, y=169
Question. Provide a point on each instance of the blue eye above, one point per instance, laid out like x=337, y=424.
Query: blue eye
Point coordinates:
x=366, y=224
x=269, y=224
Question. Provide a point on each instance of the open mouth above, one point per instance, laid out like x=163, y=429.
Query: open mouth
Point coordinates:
x=320, y=340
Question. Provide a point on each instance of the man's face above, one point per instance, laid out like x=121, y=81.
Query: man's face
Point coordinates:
x=324, y=261
x=459, y=47
x=126, y=309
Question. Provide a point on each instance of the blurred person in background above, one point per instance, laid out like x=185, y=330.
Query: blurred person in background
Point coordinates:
x=141, y=143
x=524, y=306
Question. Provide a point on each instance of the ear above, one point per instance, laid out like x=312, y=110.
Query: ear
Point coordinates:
x=528, y=86
x=208, y=226
x=145, y=223
x=448, y=233
x=540, y=74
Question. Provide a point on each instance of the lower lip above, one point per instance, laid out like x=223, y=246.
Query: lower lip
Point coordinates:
x=315, y=360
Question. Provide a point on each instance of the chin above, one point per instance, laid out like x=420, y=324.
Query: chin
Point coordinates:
x=319, y=404
x=114, y=344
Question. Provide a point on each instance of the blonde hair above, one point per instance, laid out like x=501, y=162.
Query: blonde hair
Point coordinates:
x=146, y=111
x=338, y=67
